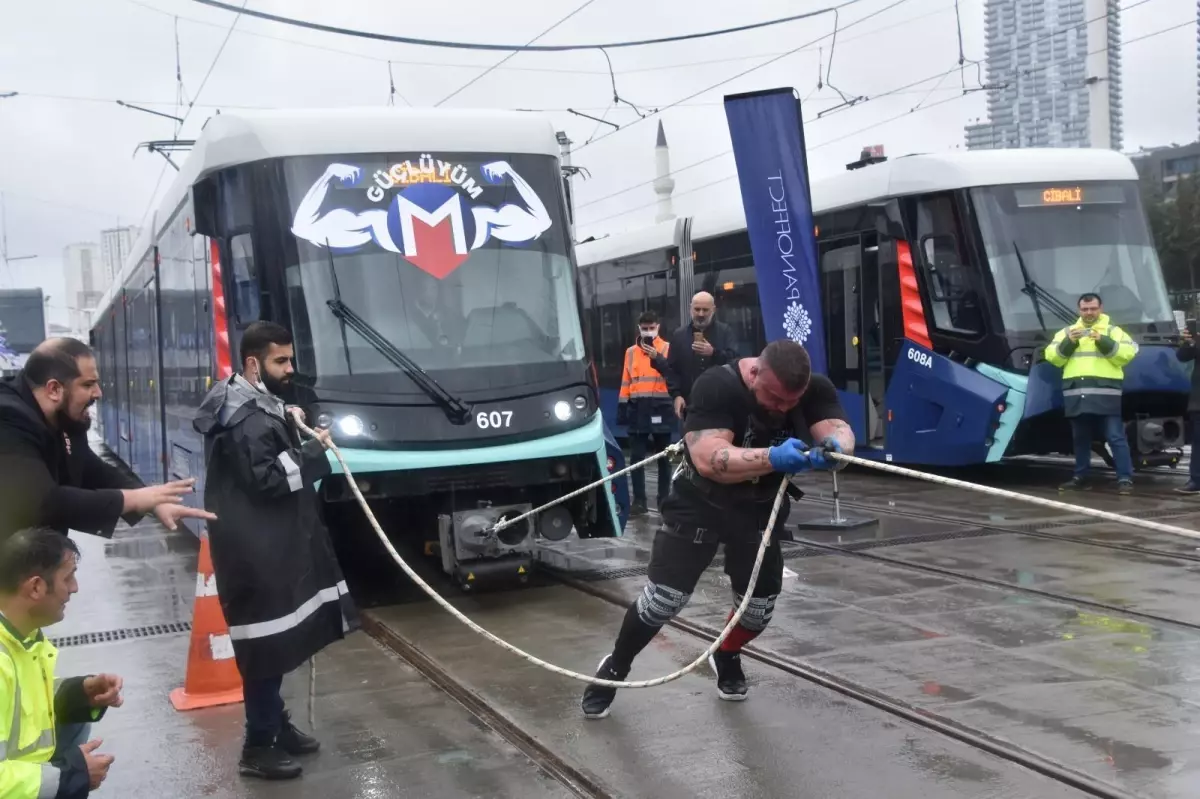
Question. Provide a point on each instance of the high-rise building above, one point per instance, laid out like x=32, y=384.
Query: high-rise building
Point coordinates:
x=1054, y=75
x=83, y=273
x=115, y=246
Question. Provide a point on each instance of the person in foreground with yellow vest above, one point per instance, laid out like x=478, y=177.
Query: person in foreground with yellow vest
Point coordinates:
x=43, y=754
x=1093, y=354
x=645, y=407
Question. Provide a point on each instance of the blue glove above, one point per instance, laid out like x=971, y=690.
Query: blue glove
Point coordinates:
x=828, y=464
x=791, y=456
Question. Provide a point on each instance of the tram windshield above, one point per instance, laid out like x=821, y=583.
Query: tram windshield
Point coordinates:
x=458, y=261
x=1058, y=242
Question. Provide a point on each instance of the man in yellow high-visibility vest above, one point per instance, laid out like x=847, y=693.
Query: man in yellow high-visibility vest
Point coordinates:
x=1093, y=353
x=44, y=748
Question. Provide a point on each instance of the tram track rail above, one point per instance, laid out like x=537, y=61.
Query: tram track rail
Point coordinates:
x=1039, y=529
x=571, y=777
x=859, y=692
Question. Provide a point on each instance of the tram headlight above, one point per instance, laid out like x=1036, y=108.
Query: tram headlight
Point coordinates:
x=351, y=426
x=324, y=421
x=580, y=402
x=562, y=410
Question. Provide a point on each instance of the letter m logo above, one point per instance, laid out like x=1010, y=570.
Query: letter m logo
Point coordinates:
x=434, y=236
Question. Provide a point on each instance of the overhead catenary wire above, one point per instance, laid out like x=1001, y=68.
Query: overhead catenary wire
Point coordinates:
x=511, y=55
x=507, y=67
x=907, y=88
x=527, y=48
x=745, y=72
x=191, y=105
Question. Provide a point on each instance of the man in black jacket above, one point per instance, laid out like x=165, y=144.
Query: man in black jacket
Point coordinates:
x=700, y=344
x=278, y=579
x=51, y=476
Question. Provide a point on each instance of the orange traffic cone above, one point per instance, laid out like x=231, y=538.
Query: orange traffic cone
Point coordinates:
x=212, y=676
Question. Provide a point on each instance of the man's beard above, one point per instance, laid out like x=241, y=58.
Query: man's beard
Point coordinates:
x=73, y=427
x=277, y=386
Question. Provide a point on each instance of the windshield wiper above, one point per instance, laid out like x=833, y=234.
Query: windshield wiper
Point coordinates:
x=457, y=411
x=1036, y=292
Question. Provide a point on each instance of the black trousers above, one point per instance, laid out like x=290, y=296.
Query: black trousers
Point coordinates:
x=691, y=535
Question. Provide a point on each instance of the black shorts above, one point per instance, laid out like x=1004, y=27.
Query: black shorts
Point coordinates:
x=683, y=548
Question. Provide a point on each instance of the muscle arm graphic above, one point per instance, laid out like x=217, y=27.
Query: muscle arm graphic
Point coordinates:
x=340, y=227
x=510, y=222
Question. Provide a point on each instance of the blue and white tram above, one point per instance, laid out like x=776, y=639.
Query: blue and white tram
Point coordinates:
x=943, y=278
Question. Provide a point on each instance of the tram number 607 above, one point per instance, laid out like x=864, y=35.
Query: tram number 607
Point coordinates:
x=496, y=419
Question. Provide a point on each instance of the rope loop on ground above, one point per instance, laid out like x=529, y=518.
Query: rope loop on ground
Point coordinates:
x=762, y=548
x=585, y=678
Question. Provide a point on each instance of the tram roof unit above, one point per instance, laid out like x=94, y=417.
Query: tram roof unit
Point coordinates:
x=906, y=175
x=244, y=137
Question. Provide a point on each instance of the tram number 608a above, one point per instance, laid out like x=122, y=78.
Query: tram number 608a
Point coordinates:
x=921, y=358
x=496, y=419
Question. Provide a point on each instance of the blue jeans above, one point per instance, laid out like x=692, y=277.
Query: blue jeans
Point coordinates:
x=264, y=710
x=639, y=444
x=1083, y=429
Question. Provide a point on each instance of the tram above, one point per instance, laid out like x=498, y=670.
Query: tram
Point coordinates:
x=422, y=260
x=943, y=277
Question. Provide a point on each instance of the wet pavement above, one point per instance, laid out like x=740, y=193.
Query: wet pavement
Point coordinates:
x=385, y=730
x=1105, y=693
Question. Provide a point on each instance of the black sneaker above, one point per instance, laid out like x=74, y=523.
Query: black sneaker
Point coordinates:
x=731, y=680
x=1075, y=484
x=1124, y=486
x=294, y=742
x=268, y=763
x=598, y=698
x=638, y=508
x=1190, y=488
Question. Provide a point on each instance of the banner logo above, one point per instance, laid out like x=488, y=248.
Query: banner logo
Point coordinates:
x=768, y=147
x=431, y=219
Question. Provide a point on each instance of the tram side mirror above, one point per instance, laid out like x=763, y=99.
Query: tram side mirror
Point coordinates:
x=204, y=206
x=943, y=268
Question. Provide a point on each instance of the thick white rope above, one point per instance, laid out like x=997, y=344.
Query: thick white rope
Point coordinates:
x=1000, y=492
x=586, y=678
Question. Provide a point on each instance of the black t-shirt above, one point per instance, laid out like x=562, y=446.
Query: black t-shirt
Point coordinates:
x=721, y=400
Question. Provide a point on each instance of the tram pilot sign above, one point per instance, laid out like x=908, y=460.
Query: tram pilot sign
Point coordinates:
x=768, y=147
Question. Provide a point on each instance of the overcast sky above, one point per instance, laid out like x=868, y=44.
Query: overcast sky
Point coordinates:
x=67, y=162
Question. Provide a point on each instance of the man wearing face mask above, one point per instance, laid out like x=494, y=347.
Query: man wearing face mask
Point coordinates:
x=645, y=406
x=699, y=345
x=278, y=580
x=750, y=424
x=51, y=476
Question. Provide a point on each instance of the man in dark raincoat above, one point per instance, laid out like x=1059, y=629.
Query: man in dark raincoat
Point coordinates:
x=278, y=579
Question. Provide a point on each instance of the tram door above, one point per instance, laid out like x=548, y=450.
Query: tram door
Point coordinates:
x=855, y=331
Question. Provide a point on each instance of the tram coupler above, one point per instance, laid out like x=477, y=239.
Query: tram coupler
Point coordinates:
x=504, y=572
x=474, y=551
x=1151, y=460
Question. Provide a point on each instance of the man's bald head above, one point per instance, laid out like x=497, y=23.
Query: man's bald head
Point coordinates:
x=703, y=307
x=62, y=374
x=56, y=359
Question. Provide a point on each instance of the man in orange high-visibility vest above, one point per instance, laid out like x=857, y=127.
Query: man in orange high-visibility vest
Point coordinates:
x=645, y=406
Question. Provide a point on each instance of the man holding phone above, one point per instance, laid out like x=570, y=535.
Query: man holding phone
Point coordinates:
x=1186, y=353
x=645, y=406
x=697, y=346
x=1093, y=354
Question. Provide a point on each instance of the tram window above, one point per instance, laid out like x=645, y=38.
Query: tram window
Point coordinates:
x=952, y=286
x=245, y=279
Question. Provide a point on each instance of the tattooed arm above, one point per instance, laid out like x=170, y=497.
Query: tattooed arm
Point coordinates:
x=836, y=429
x=716, y=458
